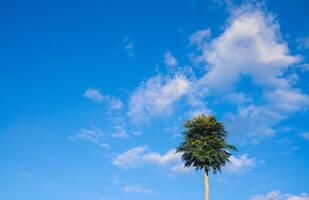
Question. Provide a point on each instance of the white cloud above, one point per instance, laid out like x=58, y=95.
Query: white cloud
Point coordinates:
x=129, y=46
x=198, y=38
x=140, y=155
x=251, y=45
x=120, y=132
x=93, y=135
x=131, y=158
x=170, y=60
x=240, y=164
x=114, y=103
x=258, y=121
x=252, y=122
x=239, y=98
x=135, y=189
x=287, y=100
x=180, y=168
x=305, y=135
x=199, y=111
x=159, y=159
x=277, y=195
x=94, y=95
x=156, y=96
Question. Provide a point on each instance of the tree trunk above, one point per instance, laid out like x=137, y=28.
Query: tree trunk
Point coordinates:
x=206, y=186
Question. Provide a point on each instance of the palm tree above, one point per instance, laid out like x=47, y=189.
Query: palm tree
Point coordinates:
x=205, y=146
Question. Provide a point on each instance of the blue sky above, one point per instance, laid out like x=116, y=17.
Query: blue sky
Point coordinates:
x=94, y=94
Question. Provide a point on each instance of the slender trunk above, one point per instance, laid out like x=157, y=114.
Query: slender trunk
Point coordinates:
x=206, y=186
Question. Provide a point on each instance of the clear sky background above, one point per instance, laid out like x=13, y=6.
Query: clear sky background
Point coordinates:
x=94, y=95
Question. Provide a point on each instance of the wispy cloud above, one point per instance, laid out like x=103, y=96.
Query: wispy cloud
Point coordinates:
x=303, y=42
x=170, y=60
x=305, y=135
x=200, y=38
x=277, y=195
x=94, y=95
x=135, y=189
x=120, y=132
x=93, y=135
x=129, y=46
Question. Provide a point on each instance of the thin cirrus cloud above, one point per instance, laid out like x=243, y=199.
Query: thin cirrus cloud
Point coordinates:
x=278, y=195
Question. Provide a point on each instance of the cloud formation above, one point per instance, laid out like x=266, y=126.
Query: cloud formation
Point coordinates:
x=138, y=156
x=250, y=46
x=240, y=164
x=277, y=195
x=94, y=95
x=156, y=95
x=93, y=135
x=170, y=60
x=135, y=189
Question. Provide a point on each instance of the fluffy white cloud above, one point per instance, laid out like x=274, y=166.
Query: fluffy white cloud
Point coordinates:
x=251, y=45
x=277, y=195
x=180, y=168
x=159, y=159
x=240, y=164
x=94, y=95
x=156, y=96
x=140, y=155
x=131, y=158
x=137, y=189
x=93, y=135
x=170, y=60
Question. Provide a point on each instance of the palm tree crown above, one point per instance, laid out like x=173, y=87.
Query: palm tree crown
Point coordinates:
x=205, y=146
